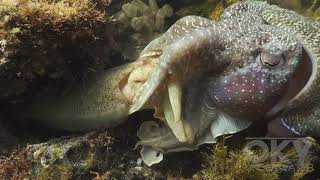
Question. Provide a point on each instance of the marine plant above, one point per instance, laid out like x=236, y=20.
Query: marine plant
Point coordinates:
x=51, y=39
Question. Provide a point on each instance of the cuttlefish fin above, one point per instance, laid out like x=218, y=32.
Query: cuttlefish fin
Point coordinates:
x=207, y=138
x=226, y=124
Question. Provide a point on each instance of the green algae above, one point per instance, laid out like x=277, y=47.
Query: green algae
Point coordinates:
x=57, y=171
x=219, y=8
x=50, y=39
x=238, y=163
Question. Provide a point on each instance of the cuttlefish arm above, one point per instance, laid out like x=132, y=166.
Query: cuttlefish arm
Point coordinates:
x=104, y=101
x=203, y=119
x=190, y=48
x=99, y=104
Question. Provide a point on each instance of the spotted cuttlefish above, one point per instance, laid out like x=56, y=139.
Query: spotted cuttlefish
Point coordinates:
x=203, y=78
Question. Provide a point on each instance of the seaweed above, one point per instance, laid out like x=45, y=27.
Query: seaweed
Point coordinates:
x=219, y=8
x=15, y=166
x=239, y=163
x=51, y=39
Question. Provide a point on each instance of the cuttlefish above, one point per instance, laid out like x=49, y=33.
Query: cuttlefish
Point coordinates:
x=299, y=112
x=301, y=116
x=203, y=78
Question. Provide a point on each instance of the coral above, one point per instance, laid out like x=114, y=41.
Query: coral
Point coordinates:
x=50, y=39
x=143, y=23
x=145, y=17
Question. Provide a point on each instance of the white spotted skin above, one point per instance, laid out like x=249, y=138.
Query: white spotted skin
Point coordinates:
x=302, y=114
x=247, y=88
x=197, y=49
x=250, y=92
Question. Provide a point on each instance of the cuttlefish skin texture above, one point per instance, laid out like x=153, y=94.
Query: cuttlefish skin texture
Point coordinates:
x=243, y=73
x=302, y=114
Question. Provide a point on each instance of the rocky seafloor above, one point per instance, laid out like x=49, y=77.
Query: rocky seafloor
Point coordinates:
x=47, y=43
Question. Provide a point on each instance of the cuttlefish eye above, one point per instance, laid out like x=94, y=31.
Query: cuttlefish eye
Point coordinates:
x=270, y=60
x=251, y=91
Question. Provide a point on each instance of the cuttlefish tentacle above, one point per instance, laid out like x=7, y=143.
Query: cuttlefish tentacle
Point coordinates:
x=189, y=49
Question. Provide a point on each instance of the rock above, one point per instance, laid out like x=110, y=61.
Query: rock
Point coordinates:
x=51, y=40
x=106, y=154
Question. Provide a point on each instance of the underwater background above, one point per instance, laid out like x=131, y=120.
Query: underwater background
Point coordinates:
x=54, y=45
